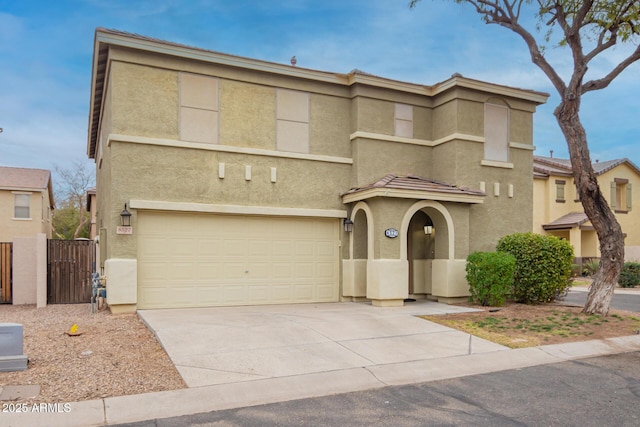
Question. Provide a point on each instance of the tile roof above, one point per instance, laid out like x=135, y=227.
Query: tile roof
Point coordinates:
x=416, y=183
x=24, y=178
x=545, y=166
x=570, y=220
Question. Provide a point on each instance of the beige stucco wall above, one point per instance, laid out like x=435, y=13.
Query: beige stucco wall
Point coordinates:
x=40, y=221
x=30, y=270
x=144, y=101
x=373, y=159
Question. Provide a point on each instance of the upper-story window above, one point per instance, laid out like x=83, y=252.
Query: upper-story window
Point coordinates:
x=22, y=206
x=292, y=115
x=496, y=132
x=404, y=120
x=560, y=183
x=621, y=195
x=199, y=108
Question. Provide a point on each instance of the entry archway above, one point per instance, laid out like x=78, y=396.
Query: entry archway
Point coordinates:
x=427, y=236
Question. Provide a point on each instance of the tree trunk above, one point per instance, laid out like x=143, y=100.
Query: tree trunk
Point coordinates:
x=595, y=207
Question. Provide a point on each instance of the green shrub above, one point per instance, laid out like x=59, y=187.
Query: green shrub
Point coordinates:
x=630, y=275
x=490, y=277
x=543, y=266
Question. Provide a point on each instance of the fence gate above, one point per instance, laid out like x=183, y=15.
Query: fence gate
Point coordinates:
x=69, y=267
x=6, y=266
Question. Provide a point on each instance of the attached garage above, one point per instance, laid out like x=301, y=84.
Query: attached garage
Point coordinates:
x=201, y=260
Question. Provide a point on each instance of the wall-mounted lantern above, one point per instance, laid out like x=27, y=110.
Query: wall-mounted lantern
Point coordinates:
x=125, y=217
x=428, y=227
x=348, y=225
x=125, y=222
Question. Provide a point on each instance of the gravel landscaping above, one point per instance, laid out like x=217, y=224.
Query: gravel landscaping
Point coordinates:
x=113, y=355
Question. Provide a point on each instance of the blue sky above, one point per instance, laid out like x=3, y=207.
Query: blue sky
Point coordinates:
x=46, y=52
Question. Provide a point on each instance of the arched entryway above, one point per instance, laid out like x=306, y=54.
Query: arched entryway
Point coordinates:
x=428, y=235
x=360, y=251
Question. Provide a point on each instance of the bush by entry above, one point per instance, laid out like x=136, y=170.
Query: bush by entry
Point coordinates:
x=490, y=277
x=543, y=266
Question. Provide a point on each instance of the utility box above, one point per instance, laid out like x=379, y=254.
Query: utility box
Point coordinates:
x=11, y=348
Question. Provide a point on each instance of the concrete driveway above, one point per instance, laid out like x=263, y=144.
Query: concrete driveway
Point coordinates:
x=225, y=345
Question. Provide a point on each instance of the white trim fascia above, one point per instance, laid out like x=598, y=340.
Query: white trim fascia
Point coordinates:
x=23, y=190
x=522, y=146
x=162, y=47
x=415, y=141
x=459, y=136
x=158, y=46
x=390, y=138
x=411, y=194
x=459, y=81
x=158, y=205
x=496, y=164
x=227, y=149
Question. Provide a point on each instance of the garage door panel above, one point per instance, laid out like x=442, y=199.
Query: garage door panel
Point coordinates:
x=191, y=260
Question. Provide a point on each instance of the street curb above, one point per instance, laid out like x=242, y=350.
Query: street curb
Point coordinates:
x=149, y=406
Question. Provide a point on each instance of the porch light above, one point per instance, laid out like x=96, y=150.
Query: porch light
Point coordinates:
x=125, y=217
x=348, y=225
x=428, y=229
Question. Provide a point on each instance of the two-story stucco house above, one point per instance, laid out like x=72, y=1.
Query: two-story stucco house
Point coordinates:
x=558, y=211
x=26, y=203
x=251, y=182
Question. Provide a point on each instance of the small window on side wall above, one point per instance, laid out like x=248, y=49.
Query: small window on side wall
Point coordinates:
x=21, y=206
x=496, y=133
x=621, y=195
x=560, y=190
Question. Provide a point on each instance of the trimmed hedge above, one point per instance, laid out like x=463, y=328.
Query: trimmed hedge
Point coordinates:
x=490, y=277
x=543, y=266
x=629, y=275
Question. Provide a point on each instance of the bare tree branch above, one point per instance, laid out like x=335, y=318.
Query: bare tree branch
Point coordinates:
x=605, y=81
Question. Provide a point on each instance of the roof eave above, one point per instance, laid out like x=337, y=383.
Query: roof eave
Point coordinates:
x=412, y=194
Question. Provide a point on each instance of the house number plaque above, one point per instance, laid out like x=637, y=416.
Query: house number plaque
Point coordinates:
x=391, y=233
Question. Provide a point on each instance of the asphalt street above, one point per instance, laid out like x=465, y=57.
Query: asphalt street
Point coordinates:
x=601, y=391
x=628, y=302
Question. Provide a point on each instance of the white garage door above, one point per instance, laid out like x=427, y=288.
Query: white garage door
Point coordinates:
x=201, y=260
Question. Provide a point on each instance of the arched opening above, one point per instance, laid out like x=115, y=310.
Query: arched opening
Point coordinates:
x=360, y=236
x=354, y=283
x=427, y=234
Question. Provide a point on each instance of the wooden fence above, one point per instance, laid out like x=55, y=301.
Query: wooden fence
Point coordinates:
x=69, y=267
x=6, y=267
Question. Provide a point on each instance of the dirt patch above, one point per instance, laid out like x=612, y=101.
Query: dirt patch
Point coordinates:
x=519, y=325
x=113, y=355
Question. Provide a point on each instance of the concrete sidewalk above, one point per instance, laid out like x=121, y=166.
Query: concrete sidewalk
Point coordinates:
x=243, y=356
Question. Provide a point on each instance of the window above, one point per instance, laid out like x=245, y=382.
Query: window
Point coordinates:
x=560, y=190
x=21, y=209
x=292, y=115
x=621, y=195
x=199, y=108
x=404, y=120
x=496, y=133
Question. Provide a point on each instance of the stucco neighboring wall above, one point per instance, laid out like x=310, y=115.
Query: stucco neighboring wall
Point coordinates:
x=629, y=221
x=39, y=221
x=30, y=270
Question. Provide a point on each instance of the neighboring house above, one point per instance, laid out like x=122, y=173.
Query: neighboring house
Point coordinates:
x=92, y=210
x=250, y=182
x=558, y=211
x=26, y=203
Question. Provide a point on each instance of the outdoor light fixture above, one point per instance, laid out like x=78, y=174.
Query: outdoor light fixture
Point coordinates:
x=428, y=227
x=125, y=217
x=348, y=225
